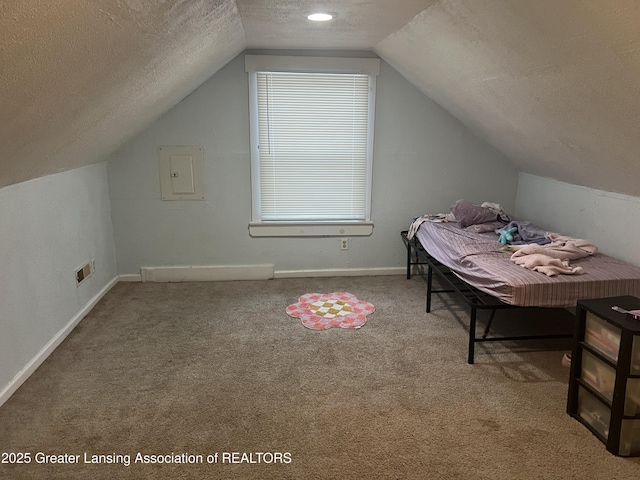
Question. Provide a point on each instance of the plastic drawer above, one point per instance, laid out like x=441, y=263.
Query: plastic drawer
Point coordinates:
x=598, y=374
x=635, y=356
x=630, y=437
x=593, y=412
x=632, y=397
x=602, y=336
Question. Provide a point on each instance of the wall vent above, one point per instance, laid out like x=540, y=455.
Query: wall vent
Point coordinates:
x=83, y=272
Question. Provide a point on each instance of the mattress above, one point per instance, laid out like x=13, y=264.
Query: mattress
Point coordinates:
x=476, y=259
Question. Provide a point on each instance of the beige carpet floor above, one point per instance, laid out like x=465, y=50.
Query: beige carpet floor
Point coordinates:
x=217, y=368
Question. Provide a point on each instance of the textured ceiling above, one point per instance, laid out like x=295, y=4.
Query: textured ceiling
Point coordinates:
x=553, y=84
x=357, y=24
x=77, y=79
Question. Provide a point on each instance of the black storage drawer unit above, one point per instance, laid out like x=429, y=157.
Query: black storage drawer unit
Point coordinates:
x=604, y=383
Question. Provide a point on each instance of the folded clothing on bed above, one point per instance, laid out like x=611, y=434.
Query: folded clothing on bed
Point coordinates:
x=550, y=266
x=554, y=258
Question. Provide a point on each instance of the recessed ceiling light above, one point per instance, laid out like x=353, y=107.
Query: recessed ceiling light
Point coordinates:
x=320, y=17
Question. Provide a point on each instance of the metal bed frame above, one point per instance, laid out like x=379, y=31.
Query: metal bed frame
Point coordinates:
x=476, y=299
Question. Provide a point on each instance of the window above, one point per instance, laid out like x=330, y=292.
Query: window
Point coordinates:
x=311, y=144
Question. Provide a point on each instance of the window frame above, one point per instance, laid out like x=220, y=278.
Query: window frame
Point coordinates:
x=279, y=63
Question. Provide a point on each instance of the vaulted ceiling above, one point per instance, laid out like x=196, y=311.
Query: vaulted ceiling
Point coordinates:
x=554, y=84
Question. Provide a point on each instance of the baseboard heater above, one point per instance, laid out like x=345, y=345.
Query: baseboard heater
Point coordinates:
x=206, y=273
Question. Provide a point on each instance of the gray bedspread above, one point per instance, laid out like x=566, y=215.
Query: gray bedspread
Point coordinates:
x=477, y=259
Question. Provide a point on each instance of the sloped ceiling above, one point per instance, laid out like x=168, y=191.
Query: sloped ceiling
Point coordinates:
x=77, y=79
x=551, y=83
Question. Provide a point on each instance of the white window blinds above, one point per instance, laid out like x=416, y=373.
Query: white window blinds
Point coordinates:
x=313, y=146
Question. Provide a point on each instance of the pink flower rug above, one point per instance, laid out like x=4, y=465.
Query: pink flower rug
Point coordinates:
x=319, y=311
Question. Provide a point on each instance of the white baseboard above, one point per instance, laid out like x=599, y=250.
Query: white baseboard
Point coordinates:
x=130, y=277
x=206, y=273
x=340, y=272
x=42, y=355
x=246, y=272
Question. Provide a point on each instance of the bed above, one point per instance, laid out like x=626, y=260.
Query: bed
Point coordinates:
x=476, y=267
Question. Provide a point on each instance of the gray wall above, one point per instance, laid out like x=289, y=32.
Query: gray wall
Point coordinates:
x=610, y=220
x=424, y=160
x=49, y=227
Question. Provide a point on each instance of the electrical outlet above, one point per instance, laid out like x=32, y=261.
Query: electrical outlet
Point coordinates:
x=344, y=244
x=147, y=274
x=92, y=265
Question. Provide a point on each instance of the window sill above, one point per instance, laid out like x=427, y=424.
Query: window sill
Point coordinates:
x=315, y=229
